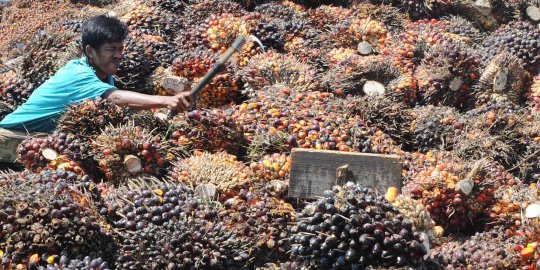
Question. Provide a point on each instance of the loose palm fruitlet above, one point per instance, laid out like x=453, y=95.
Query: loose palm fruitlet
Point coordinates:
x=504, y=78
x=221, y=170
x=207, y=130
x=15, y=91
x=88, y=118
x=128, y=151
x=446, y=75
x=352, y=227
x=144, y=201
x=42, y=219
x=455, y=193
x=517, y=38
x=486, y=250
x=272, y=68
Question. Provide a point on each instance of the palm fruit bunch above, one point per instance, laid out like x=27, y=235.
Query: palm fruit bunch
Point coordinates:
x=386, y=112
x=422, y=9
x=172, y=6
x=410, y=46
x=533, y=95
x=59, y=150
x=88, y=118
x=517, y=38
x=134, y=68
x=272, y=167
x=144, y=19
x=261, y=220
x=39, y=62
x=327, y=15
x=271, y=68
x=415, y=211
x=15, y=91
x=144, y=201
x=352, y=227
x=56, y=262
x=463, y=30
x=207, y=130
x=369, y=75
x=434, y=127
x=446, y=75
x=159, y=52
x=262, y=144
x=201, y=10
x=510, y=202
x=196, y=241
x=222, y=90
x=504, y=78
x=496, y=118
x=455, y=193
x=192, y=64
x=485, y=250
x=5, y=109
x=371, y=31
x=127, y=151
x=47, y=219
x=337, y=55
x=221, y=170
x=222, y=30
x=74, y=26
x=393, y=18
x=278, y=11
x=315, y=128
x=269, y=34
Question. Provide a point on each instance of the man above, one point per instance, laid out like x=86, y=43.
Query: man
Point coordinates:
x=87, y=78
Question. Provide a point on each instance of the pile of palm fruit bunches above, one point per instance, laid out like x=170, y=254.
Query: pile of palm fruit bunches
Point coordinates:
x=452, y=87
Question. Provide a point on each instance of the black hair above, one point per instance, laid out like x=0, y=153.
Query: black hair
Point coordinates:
x=102, y=29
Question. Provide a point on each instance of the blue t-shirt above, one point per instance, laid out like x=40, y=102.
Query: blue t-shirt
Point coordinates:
x=73, y=83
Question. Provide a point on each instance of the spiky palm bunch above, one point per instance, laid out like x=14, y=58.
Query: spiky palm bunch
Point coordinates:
x=504, y=78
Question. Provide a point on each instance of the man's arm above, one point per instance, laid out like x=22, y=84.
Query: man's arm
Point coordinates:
x=134, y=100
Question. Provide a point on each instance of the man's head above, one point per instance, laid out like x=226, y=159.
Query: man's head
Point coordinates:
x=102, y=41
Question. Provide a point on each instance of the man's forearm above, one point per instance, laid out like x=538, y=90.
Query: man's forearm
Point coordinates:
x=136, y=100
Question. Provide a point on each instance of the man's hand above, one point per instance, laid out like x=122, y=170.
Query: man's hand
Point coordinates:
x=180, y=102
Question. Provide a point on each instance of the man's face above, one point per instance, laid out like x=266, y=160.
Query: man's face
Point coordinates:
x=108, y=57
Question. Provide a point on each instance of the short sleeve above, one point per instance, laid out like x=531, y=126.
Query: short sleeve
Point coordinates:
x=88, y=86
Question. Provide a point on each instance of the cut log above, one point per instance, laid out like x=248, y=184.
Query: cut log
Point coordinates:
x=132, y=164
x=466, y=186
x=532, y=210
